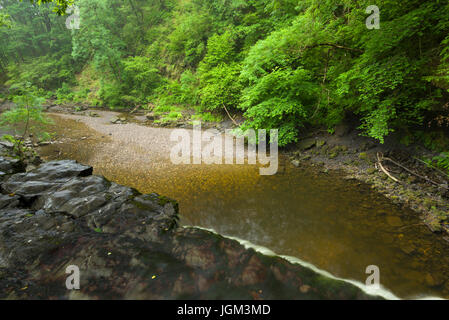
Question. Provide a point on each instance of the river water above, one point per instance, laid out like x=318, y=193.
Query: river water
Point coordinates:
x=338, y=225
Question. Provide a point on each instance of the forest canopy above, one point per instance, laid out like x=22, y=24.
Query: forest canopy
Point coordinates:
x=285, y=64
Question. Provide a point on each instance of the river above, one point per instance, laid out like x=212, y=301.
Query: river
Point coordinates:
x=338, y=225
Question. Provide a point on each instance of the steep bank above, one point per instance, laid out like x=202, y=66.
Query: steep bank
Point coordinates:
x=128, y=246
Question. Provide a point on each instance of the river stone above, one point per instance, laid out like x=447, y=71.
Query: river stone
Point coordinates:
x=296, y=163
x=306, y=144
x=394, y=221
x=407, y=248
x=7, y=144
x=150, y=116
x=433, y=280
x=342, y=130
x=304, y=288
x=115, y=120
x=129, y=246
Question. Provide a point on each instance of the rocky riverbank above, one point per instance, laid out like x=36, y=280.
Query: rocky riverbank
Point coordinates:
x=127, y=245
x=410, y=183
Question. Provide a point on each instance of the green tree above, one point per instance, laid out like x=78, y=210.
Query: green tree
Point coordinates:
x=23, y=117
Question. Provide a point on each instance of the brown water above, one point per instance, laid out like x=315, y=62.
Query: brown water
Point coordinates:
x=337, y=225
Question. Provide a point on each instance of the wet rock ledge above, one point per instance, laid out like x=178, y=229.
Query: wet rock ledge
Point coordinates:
x=127, y=246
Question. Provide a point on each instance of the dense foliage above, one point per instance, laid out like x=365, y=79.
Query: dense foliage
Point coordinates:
x=285, y=64
x=25, y=118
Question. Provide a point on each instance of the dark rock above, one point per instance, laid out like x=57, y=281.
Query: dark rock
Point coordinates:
x=434, y=280
x=320, y=143
x=306, y=144
x=367, y=145
x=11, y=166
x=150, y=116
x=7, y=144
x=36, y=160
x=445, y=193
x=407, y=248
x=342, y=130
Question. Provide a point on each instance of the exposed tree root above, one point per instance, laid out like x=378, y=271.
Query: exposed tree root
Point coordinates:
x=229, y=115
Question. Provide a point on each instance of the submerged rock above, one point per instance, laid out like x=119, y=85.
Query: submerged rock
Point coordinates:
x=394, y=221
x=128, y=246
x=296, y=163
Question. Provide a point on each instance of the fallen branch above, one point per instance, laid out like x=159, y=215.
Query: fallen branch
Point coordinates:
x=135, y=109
x=229, y=115
x=379, y=162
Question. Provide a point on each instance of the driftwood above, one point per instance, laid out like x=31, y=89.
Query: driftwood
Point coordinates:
x=136, y=108
x=379, y=163
x=229, y=115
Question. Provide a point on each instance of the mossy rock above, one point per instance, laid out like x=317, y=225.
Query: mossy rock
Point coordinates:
x=320, y=143
x=363, y=156
x=306, y=144
x=411, y=179
x=306, y=157
x=428, y=203
x=333, y=155
x=433, y=223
